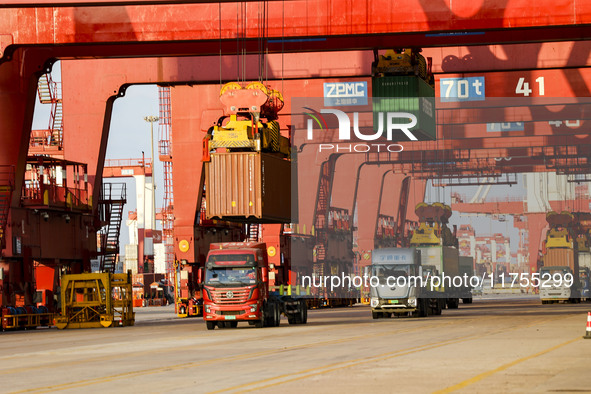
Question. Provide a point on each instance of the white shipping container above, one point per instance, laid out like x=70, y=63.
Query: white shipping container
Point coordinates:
x=444, y=258
x=131, y=251
x=584, y=260
x=130, y=262
x=159, y=259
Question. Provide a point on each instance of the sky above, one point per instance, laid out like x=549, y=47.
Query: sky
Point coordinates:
x=130, y=135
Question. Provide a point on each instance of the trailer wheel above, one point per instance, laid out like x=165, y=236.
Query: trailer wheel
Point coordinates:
x=453, y=303
x=210, y=325
x=437, y=306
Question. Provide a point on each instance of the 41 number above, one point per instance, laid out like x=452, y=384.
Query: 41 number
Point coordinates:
x=523, y=87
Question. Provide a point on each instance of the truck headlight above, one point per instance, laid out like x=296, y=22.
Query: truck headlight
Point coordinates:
x=207, y=310
x=253, y=308
x=374, y=302
x=412, y=301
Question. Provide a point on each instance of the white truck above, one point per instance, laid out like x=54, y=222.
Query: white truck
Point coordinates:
x=399, y=289
x=557, y=284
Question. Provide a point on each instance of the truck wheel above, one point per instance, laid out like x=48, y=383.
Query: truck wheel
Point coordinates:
x=268, y=315
x=375, y=315
x=423, y=307
x=467, y=300
x=304, y=312
x=259, y=323
x=277, y=315
x=232, y=324
x=210, y=325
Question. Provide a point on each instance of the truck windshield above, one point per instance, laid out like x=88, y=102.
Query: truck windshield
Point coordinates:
x=234, y=258
x=231, y=276
x=552, y=271
x=394, y=271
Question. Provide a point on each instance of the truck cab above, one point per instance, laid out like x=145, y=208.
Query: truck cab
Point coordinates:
x=557, y=284
x=235, y=284
x=398, y=290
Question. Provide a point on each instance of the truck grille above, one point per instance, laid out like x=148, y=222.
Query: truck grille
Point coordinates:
x=230, y=296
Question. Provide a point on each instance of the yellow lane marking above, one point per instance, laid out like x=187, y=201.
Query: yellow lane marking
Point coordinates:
x=331, y=367
x=486, y=374
x=53, y=364
x=286, y=378
x=150, y=371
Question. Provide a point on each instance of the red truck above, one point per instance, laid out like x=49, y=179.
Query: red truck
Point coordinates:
x=235, y=285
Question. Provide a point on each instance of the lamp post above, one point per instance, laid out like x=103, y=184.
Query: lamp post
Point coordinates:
x=151, y=119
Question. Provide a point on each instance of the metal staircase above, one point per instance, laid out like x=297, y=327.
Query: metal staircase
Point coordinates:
x=6, y=188
x=50, y=92
x=111, y=203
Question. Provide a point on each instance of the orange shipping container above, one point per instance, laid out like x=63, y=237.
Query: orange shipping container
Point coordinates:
x=248, y=185
x=560, y=257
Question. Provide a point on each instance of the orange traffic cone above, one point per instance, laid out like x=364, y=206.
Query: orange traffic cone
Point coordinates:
x=588, y=330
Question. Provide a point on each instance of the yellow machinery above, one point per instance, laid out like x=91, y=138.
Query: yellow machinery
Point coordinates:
x=433, y=228
x=96, y=300
x=250, y=122
x=402, y=61
x=560, y=233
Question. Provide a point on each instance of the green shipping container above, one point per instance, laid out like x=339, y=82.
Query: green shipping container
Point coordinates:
x=405, y=94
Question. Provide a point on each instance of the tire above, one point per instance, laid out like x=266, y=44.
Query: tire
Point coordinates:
x=299, y=318
x=210, y=325
x=259, y=323
x=277, y=315
x=467, y=300
x=232, y=324
x=423, y=307
x=375, y=315
x=268, y=315
x=305, y=312
x=438, y=307
x=453, y=303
